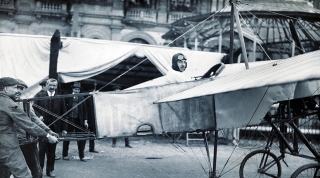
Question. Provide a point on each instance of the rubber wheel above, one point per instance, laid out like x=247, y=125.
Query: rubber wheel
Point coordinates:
x=307, y=171
x=260, y=163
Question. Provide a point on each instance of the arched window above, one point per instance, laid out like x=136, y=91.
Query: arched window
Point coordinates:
x=138, y=40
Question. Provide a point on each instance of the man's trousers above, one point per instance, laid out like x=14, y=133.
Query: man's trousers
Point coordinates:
x=31, y=154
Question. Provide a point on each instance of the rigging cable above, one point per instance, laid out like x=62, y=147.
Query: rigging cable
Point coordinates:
x=288, y=17
x=60, y=118
x=177, y=146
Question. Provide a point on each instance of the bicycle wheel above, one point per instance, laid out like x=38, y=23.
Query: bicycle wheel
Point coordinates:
x=260, y=163
x=308, y=170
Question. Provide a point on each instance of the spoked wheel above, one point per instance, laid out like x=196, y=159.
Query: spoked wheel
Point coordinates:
x=307, y=171
x=260, y=163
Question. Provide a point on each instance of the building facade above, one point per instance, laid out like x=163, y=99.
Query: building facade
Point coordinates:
x=139, y=21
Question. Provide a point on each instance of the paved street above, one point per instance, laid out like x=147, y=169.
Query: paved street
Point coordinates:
x=156, y=156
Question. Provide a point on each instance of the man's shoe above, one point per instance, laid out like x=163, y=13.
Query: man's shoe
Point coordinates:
x=50, y=174
x=113, y=145
x=66, y=158
x=128, y=146
x=81, y=159
x=57, y=158
x=93, y=151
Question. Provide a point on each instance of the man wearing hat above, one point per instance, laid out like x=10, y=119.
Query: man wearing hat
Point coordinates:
x=43, y=84
x=49, y=110
x=179, y=65
x=29, y=146
x=11, y=113
x=79, y=117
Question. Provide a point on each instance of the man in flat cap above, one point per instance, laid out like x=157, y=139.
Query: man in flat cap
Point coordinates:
x=12, y=112
x=29, y=146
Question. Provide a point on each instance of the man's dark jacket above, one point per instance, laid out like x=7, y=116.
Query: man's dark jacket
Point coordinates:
x=82, y=109
x=59, y=108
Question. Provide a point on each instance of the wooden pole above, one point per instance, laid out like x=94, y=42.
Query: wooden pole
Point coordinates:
x=54, y=53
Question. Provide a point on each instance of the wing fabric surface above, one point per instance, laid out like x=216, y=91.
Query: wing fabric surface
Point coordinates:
x=244, y=98
x=295, y=69
x=120, y=113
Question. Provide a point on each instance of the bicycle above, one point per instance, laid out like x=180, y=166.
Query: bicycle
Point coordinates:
x=264, y=163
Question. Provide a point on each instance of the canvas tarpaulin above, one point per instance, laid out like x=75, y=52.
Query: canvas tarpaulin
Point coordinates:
x=27, y=57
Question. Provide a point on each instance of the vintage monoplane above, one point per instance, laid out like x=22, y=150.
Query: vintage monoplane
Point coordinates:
x=235, y=99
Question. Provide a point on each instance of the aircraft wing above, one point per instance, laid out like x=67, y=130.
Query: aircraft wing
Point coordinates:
x=244, y=98
x=234, y=100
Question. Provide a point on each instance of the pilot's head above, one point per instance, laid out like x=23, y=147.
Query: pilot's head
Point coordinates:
x=179, y=62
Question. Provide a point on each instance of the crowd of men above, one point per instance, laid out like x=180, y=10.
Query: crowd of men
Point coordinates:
x=30, y=131
x=22, y=127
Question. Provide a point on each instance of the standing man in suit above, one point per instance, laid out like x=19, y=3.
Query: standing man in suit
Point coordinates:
x=79, y=117
x=56, y=107
x=43, y=84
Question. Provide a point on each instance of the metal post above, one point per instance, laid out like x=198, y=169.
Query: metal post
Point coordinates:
x=215, y=151
x=293, y=47
x=254, y=48
x=196, y=43
x=231, y=32
x=220, y=40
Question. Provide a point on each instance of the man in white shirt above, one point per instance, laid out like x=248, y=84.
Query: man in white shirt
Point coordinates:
x=49, y=109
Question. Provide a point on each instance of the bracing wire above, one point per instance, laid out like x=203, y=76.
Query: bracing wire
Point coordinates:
x=208, y=161
x=212, y=15
x=252, y=33
x=177, y=146
x=128, y=70
x=198, y=159
x=270, y=27
x=59, y=118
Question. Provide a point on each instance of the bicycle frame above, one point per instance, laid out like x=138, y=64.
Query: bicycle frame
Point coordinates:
x=284, y=143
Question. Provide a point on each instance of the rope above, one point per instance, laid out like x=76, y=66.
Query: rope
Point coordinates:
x=60, y=118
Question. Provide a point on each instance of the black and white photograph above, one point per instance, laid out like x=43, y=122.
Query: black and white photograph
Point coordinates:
x=159, y=88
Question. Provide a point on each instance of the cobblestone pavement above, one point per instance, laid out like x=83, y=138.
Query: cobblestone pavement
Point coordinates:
x=157, y=156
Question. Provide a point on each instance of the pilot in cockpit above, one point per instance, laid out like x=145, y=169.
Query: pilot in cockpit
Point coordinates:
x=179, y=64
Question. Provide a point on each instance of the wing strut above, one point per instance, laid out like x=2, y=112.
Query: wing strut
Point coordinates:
x=296, y=37
x=243, y=46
